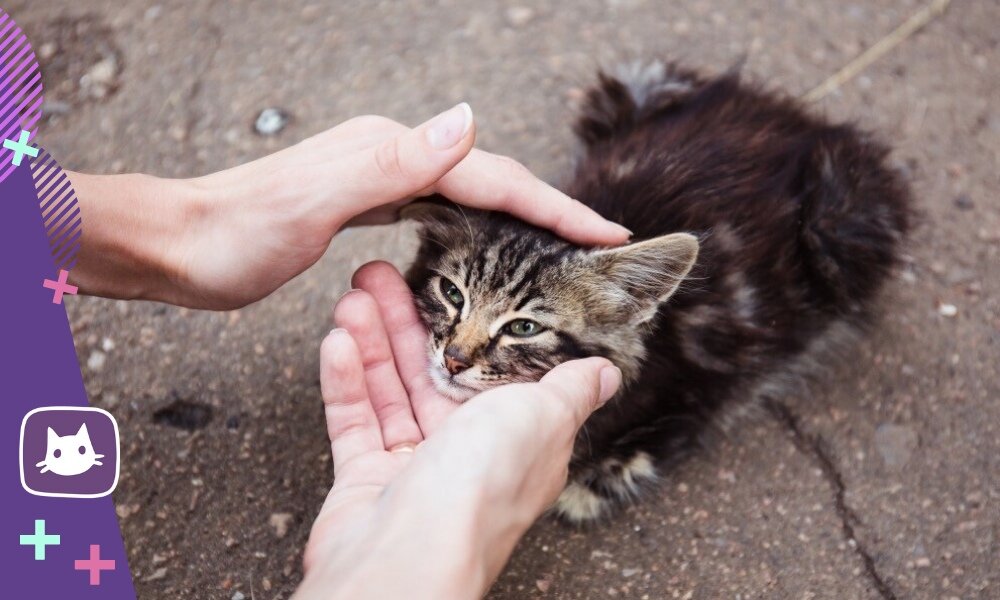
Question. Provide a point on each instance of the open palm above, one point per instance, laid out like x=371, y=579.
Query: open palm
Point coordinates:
x=379, y=400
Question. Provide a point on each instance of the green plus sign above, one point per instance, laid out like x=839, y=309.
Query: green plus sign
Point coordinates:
x=39, y=540
x=20, y=148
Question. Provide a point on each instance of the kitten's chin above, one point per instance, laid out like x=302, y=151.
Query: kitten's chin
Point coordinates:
x=449, y=389
x=453, y=392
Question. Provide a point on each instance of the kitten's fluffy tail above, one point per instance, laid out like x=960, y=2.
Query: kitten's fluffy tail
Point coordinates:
x=633, y=92
x=855, y=212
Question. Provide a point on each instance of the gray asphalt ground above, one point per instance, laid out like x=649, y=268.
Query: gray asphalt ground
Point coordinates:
x=883, y=483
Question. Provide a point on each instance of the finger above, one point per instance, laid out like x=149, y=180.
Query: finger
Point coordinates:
x=409, y=162
x=408, y=339
x=492, y=182
x=582, y=386
x=358, y=313
x=353, y=135
x=350, y=419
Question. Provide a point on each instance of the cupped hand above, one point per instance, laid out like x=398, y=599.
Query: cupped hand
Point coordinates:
x=260, y=224
x=429, y=496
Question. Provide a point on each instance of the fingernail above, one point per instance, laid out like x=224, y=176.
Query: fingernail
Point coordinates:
x=624, y=230
x=449, y=127
x=611, y=378
x=404, y=447
x=338, y=331
x=344, y=295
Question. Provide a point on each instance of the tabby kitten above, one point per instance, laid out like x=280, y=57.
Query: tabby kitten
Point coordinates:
x=762, y=233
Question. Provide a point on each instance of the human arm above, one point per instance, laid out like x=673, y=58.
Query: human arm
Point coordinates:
x=230, y=238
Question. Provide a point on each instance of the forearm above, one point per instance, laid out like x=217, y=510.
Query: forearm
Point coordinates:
x=419, y=544
x=131, y=231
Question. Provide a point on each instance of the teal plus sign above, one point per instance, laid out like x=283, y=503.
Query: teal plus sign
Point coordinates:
x=20, y=148
x=40, y=539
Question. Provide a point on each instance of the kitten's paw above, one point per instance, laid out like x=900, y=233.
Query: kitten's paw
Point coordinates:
x=597, y=492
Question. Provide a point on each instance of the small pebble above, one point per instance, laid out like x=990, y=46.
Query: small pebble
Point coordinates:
x=238, y=596
x=280, y=523
x=270, y=121
x=158, y=574
x=518, y=16
x=96, y=360
x=107, y=344
x=947, y=310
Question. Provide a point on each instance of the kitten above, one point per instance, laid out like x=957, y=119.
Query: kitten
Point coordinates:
x=762, y=234
x=69, y=454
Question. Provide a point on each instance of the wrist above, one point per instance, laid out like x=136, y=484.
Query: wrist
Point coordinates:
x=131, y=226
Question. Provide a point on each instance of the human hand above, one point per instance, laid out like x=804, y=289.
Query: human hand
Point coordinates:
x=230, y=238
x=429, y=496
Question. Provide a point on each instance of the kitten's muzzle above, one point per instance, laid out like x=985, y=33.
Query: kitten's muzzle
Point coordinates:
x=455, y=361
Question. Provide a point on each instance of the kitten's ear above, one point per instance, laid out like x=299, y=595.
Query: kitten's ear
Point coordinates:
x=83, y=431
x=51, y=436
x=435, y=213
x=649, y=271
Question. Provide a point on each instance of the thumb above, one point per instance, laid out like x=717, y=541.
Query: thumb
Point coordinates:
x=410, y=162
x=583, y=385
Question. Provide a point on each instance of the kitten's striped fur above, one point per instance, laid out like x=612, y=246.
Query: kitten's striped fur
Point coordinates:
x=799, y=222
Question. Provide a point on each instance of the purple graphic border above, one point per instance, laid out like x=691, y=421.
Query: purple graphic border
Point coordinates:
x=40, y=368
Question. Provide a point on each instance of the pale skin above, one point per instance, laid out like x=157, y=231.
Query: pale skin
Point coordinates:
x=429, y=496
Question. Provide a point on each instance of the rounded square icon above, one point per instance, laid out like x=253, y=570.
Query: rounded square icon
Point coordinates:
x=69, y=452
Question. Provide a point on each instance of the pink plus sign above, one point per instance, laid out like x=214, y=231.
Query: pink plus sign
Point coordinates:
x=95, y=565
x=60, y=287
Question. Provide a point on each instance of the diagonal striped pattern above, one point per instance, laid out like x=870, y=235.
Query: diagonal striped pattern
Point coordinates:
x=20, y=89
x=60, y=210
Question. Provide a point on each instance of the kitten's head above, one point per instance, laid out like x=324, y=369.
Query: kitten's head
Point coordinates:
x=505, y=302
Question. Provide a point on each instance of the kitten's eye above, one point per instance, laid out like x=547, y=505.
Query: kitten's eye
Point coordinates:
x=452, y=293
x=57, y=453
x=523, y=328
x=82, y=450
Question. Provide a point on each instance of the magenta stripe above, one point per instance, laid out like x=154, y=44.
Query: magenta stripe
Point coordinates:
x=35, y=85
x=34, y=117
x=12, y=36
x=7, y=171
x=24, y=63
x=3, y=32
x=19, y=43
x=20, y=110
x=32, y=114
x=21, y=46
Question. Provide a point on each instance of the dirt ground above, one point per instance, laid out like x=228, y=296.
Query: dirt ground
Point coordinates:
x=884, y=484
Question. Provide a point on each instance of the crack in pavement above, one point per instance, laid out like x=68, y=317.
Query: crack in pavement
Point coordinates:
x=812, y=445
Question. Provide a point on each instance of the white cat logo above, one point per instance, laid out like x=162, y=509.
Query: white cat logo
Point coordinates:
x=70, y=454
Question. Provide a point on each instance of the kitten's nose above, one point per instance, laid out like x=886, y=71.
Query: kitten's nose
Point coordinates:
x=455, y=361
